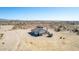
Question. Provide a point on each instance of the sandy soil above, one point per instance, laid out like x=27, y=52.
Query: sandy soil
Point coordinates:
x=20, y=40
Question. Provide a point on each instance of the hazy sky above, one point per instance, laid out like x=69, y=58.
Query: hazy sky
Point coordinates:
x=40, y=13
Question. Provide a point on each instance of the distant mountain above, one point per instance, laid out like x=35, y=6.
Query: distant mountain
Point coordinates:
x=64, y=22
x=2, y=19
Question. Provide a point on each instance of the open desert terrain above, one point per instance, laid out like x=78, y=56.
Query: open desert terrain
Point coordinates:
x=14, y=36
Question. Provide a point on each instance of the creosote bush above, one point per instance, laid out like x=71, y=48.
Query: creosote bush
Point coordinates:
x=1, y=35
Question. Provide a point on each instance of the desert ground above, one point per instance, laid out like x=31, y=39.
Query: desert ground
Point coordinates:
x=14, y=36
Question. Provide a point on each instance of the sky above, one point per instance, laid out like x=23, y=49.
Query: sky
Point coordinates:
x=39, y=13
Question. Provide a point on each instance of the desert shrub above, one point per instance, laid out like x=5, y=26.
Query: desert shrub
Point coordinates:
x=20, y=27
x=60, y=37
x=3, y=42
x=31, y=42
x=17, y=27
x=1, y=35
x=63, y=38
x=78, y=33
x=14, y=27
x=50, y=35
x=60, y=28
x=68, y=29
x=75, y=30
x=51, y=25
x=57, y=29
